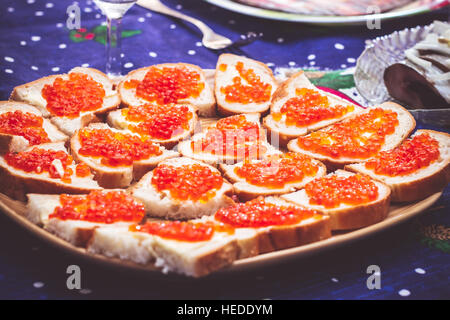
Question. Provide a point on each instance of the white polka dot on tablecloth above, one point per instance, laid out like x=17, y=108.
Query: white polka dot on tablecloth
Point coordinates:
x=62, y=46
x=312, y=63
x=291, y=63
x=85, y=65
x=172, y=26
x=334, y=280
x=49, y=5
x=148, y=15
x=85, y=291
x=191, y=52
x=343, y=66
x=280, y=40
x=59, y=25
x=30, y=1
x=23, y=43
x=39, y=13
x=270, y=64
x=339, y=46
x=9, y=59
x=98, y=16
x=311, y=57
x=152, y=54
x=55, y=69
x=141, y=19
x=404, y=293
x=178, y=7
x=87, y=10
x=420, y=271
x=128, y=65
x=122, y=55
x=35, y=38
x=38, y=284
x=351, y=60
x=10, y=9
x=34, y=68
x=9, y=71
x=198, y=44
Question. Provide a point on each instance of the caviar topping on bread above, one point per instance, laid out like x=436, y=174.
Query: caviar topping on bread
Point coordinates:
x=298, y=107
x=231, y=139
x=46, y=168
x=22, y=126
x=75, y=217
x=275, y=174
x=243, y=85
x=351, y=200
x=117, y=157
x=416, y=169
x=183, y=188
x=357, y=138
x=168, y=83
x=165, y=125
x=70, y=100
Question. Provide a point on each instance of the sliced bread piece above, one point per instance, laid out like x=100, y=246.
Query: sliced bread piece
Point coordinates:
x=295, y=168
x=243, y=85
x=292, y=89
x=121, y=174
x=419, y=184
x=141, y=78
x=16, y=182
x=165, y=127
x=162, y=202
x=117, y=209
x=406, y=124
x=32, y=93
x=213, y=150
x=22, y=125
x=347, y=216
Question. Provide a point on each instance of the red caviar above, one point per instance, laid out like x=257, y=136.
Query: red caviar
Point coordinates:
x=412, y=155
x=310, y=107
x=233, y=136
x=258, y=213
x=100, y=206
x=223, y=67
x=67, y=98
x=360, y=137
x=333, y=190
x=27, y=125
x=188, y=182
x=116, y=148
x=164, y=85
x=255, y=91
x=177, y=230
x=82, y=170
x=276, y=171
x=159, y=122
x=41, y=160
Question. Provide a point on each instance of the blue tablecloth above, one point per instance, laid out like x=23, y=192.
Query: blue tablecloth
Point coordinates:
x=34, y=42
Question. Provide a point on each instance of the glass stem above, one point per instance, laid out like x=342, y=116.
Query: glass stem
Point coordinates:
x=114, y=47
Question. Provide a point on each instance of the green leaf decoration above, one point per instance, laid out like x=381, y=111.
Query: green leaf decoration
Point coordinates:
x=441, y=245
x=334, y=80
x=99, y=33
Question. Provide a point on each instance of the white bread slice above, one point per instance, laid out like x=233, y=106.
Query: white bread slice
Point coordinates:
x=13, y=143
x=185, y=147
x=117, y=120
x=205, y=102
x=247, y=191
x=17, y=183
x=225, y=78
x=194, y=259
x=285, y=92
x=122, y=176
x=422, y=183
x=402, y=131
x=32, y=93
x=163, y=205
x=77, y=232
x=346, y=217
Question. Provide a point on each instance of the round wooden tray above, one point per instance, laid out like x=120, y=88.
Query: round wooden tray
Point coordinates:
x=398, y=213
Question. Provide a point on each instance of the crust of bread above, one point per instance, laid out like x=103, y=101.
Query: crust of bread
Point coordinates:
x=403, y=131
x=426, y=184
x=117, y=177
x=227, y=109
x=348, y=217
x=205, y=103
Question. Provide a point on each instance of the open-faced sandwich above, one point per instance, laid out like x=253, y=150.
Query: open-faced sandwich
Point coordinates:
x=71, y=100
x=168, y=83
x=243, y=85
x=419, y=167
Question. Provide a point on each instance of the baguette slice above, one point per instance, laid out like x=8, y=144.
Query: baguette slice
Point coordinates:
x=402, y=131
x=422, y=183
x=186, y=149
x=121, y=176
x=32, y=93
x=246, y=191
x=161, y=204
x=205, y=102
x=77, y=232
x=224, y=78
x=16, y=143
x=16, y=183
x=286, y=91
x=117, y=120
x=347, y=217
